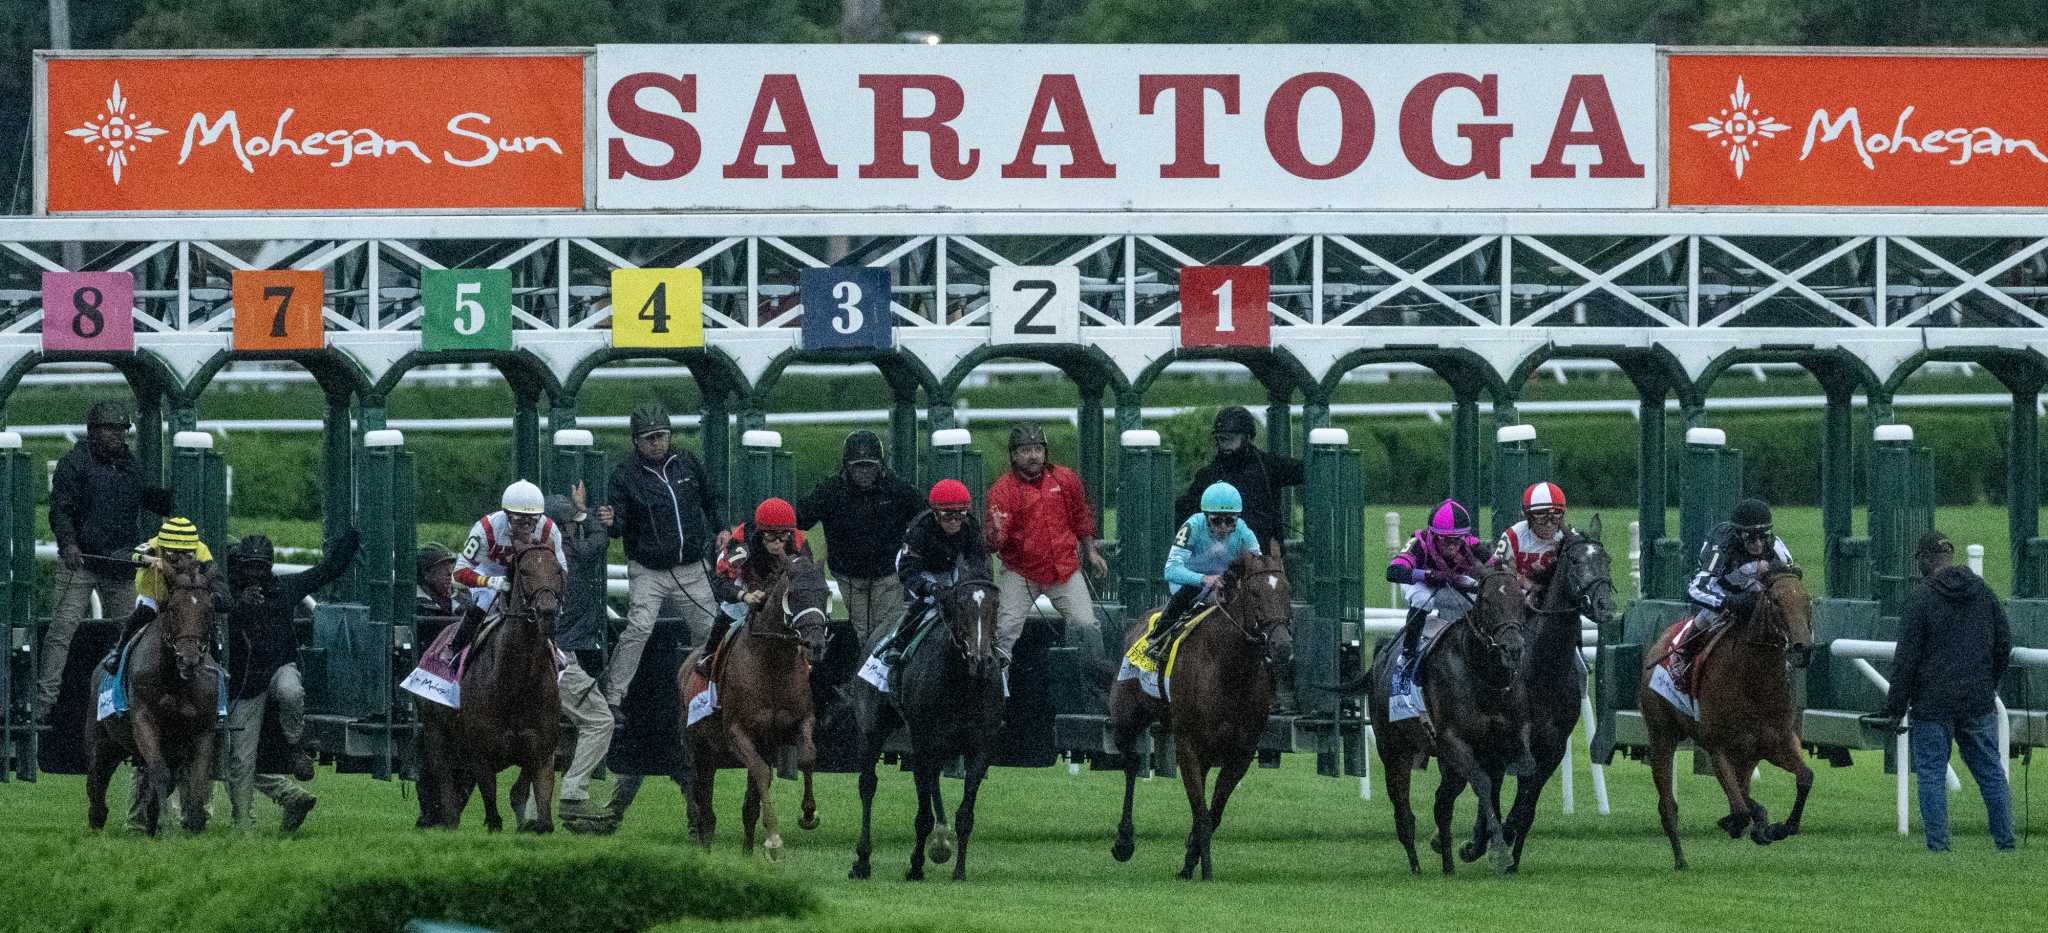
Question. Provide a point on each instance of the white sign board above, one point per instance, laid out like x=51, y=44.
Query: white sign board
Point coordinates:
x=1034, y=304
x=1126, y=127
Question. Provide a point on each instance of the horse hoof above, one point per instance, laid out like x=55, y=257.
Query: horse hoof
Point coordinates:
x=1122, y=850
x=915, y=874
x=1503, y=860
x=1469, y=853
x=773, y=848
x=1781, y=831
x=860, y=872
x=942, y=845
x=807, y=822
x=1733, y=824
x=1187, y=874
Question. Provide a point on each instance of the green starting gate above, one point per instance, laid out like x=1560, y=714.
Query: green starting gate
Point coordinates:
x=761, y=471
x=1901, y=510
x=1145, y=520
x=953, y=457
x=1333, y=512
x=1518, y=462
x=17, y=592
x=199, y=480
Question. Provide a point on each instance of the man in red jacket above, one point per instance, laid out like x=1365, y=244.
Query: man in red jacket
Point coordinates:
x=1039, y=524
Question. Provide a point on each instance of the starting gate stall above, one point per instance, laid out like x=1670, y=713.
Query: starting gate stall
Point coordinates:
x=199, y=480
x=1518, y=462
x=1329, y=639
x=17, y=589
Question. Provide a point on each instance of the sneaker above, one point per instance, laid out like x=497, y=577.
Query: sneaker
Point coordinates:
x=295, y=811
x=302, y=765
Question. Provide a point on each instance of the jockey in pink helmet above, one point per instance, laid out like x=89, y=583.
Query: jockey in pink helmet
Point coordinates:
x=1440, y=568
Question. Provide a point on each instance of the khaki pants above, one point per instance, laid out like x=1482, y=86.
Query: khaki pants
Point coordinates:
x=583, y=703
x=873, y=606
x=1069, y=598
x=245, y=732
x=650, y=590
x=74, y=600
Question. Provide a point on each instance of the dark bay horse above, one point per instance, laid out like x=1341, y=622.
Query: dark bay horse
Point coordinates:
x=1216, y=710
x=1553, y=676
x=764, y=703
x=950, y=697
x=1472, y=691
x=1747, y=711
x=173, y=687
x=510, y=715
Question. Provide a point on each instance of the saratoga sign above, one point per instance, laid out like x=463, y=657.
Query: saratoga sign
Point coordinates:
x=294, y=132
x=844, y=127
x=1857, y=130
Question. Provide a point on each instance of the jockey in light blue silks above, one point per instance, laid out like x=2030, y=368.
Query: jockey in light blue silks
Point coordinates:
x=1207, y=544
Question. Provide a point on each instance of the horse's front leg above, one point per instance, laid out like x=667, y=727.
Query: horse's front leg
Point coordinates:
x=1129, y=719
x=807, y=761
x=156, y=775
x=487, y=788
x=760, y=803
x=963, y=819
x=703, y=784
x=1739, y=816
x=1791, y=757
x=198, y=781
x=99, y=772
x=1194, y=775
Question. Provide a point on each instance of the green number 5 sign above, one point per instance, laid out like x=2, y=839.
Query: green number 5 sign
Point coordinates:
x=466, y=309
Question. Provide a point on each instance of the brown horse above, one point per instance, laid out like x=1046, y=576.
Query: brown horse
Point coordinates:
x=764, y=703
x=1221, y=690
x=1472, y=691
x=173, y=690
x=510, y=715
x=1747, y=711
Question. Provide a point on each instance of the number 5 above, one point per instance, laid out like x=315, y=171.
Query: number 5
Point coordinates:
x=469, y=312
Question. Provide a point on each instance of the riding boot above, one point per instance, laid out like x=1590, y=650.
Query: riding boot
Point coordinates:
x=711, y=643
x=137, y=621
x=892, y=648
x=465, y=632
x=1405, y=655
x=1168, y=623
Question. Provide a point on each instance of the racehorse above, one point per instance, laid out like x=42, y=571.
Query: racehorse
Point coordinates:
x=510, y=715
x=764, y=703
x=1553, y=676
x=1221, y=691
x=1472, y=691
x=173, y=688
x=951, y=700
x=1747, y=711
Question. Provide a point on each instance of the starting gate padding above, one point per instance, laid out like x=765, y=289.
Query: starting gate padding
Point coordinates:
x=199, y=480
x=1145, y=526
x=1901, y=510
x=1516, y=465
x=760, y=472
x=1333, y=500
x=386, y=500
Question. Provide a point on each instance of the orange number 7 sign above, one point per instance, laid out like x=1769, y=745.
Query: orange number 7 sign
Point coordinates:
x=279, y=309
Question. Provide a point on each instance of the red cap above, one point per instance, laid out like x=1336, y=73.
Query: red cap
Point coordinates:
x=774, y=515
x=1543, y=497
x=950, y=494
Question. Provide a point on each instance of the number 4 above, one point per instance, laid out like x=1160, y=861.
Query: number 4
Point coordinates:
x=656, y=308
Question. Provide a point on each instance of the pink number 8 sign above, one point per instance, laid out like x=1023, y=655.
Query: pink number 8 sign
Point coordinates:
x=89, y=311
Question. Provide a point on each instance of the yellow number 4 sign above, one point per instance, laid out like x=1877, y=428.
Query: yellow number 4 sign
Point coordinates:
x=658, y=308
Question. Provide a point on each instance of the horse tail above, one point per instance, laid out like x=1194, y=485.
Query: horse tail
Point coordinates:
x=1353, y=687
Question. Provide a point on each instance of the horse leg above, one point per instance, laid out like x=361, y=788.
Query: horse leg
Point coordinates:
x=516, y=796
x=963, y=821
x=1227, y=775
x=1194, y=776
x=807, y=761
x=942, y=834
x=487, y=788
x=1739, y=814
x=198, y=781
x=1662, y=748
x=542, y=766
x=1529, y=793
x=871, y=740
x=927, y=777
x=1482, y=828
x=1398, y=780
x=1129, y=720
x=455, y=787
x=1791, y=757
x=104, y=755
x=1448, y=787
x=156, y=776
x=703, y=818
x=759, y=805
x=1456, y=756
x=1759, y=818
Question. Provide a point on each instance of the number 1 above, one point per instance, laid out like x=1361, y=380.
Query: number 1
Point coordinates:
x=283, y=294
x=1222, y=293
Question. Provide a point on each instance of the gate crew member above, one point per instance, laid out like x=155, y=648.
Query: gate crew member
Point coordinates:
x=1257, y=475
x=1040, y=525
x=577, y=630
x=865, y=509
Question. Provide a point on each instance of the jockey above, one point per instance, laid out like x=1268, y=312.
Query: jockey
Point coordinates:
x=1204, y=548
x=746, y=566
x=484, y=566
x=941, y=547
x=1440, y=567
x=176, y=550
x=1733, y=563
x=1530, y=547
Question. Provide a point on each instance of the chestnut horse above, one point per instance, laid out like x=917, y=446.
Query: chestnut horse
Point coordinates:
x=1221, y=691
x=764, y=703
x=173, y=688
x=1747, y=711
x=510, y=715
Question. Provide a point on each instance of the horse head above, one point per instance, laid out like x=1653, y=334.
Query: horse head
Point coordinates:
x=1498, y=623
x=186, y=621
x=806, y=603
x=969, y=611
x=1784, y=614
x=1254, y=597
x=537, y=587
x=1583, y=582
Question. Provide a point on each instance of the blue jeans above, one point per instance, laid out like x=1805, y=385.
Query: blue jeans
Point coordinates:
x=1977, y=736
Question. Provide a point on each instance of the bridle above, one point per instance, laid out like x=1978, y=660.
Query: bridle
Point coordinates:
x=1779, y=637
x=1259, y=632
x=202, y=600
x=524, y=598
x=953, y=635
x=1585, y=602
x=1490, y=637
x=793, y=621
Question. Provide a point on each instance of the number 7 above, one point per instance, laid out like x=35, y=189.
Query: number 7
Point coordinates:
x=284, y=295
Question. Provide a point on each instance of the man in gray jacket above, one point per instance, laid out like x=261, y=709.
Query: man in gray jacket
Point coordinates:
x=576, y=634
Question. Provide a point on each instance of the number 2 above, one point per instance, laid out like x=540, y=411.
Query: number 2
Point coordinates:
x=283, y=294
x=656, y=309
x=1046, y=289
x=469, y=311
x=848, y=295
x=1222, y=293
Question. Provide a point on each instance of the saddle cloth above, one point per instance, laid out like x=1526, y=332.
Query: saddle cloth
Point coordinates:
x=112, y=697
x=1139, y=666
x=1666, y=685
x=1408, y=704
x=438, y=678
x=700, y=693
x=882, y=675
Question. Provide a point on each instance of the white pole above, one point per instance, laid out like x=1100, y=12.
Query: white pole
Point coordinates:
x=1393, y=547
x=1599, y=770
x=1565, y=775
x=1976, y=552
x=1899, y=756
x=1365, y=765
x=1635, y=553
x=2004, y=736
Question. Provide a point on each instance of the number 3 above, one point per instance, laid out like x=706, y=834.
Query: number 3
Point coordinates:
x=848, y=295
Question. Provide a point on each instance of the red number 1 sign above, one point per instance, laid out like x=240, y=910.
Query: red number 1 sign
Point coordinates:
x=1225, y=306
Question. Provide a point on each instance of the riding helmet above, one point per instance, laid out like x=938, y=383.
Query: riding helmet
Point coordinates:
x=647, y=418
x=1542, y=497
x=774, y=515
x=1222, y=499
x=950, y=495
x=1450, y=518
x=178, y=534
x=255, y=549
x=1026, y=434
x=523, y=498
x=1751, y=515
x=861, y=447
x=1237, y=420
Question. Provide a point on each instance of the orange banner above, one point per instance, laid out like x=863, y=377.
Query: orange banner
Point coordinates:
x=1857, y=131
x=314, y=133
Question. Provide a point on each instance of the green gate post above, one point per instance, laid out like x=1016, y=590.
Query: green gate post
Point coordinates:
x=337, y=462
x=199, y=480
x=149, y=435
x=1652, y=493
x=1465, y=447
x=715, y=435
x=954, y=457
x=383, y=459
x=17, y=597
x=577, y=459
x=1846, y=557
x=2023, y=495
x=763, y=471
x=1088, y=426
x=903, y=438
x=1144, y=521
x=526, y=434
x=1709, y=484
x=1518, y=461
x=1901, y=510
x=1334, y=539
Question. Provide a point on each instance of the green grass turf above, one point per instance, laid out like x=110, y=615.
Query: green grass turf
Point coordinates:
x=1296, y=852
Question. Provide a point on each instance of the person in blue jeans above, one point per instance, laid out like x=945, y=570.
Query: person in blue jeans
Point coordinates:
x=1954, y=644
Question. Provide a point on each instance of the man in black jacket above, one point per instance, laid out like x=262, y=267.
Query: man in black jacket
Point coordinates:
x=1954, y=645
x=577, y=633
x=865, y=509
x=97, y=501
x=1257, y=475
x=661, y=504
x=263, y=670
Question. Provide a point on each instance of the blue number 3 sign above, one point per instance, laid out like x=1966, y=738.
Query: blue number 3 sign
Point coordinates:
x=847, y=306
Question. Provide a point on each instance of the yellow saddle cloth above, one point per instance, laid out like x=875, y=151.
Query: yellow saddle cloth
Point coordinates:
x=1139, y=658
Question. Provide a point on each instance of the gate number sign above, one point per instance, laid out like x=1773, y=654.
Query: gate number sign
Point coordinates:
x=1034, y=304
x=846, y=306
x=466, y=309
x=92, y=311
x=1225, y=306
x=660, y=308
x=279, y=309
